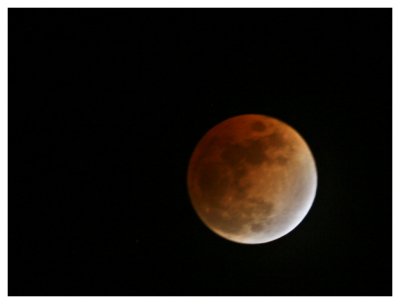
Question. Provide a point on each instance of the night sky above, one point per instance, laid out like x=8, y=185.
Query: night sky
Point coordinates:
x=107, y=105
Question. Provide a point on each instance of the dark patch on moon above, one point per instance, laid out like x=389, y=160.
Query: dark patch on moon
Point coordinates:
x=282, y=160
x=257, y=227
x=230, y=224
x=276, y=140
x=261, y=226
x=261, y=206
x=241, y=191
x=233, y=154
x=256, y=152
x=252, y=152
x=208, y=146
x=258, y=126
x=238, y=172
x=213, y=182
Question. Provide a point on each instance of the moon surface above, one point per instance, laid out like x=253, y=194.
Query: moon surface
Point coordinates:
x=252, y=179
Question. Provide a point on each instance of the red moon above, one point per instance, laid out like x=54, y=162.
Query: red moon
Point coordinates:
x=252, y=179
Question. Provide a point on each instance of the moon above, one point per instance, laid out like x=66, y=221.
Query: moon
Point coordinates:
x=252, y=179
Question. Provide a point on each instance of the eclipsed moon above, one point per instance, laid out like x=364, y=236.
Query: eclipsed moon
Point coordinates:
x=252, y=179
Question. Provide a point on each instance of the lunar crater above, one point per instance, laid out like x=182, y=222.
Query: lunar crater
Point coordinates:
x=258, y=126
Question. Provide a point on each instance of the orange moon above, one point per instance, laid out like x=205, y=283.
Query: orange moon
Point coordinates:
x=252, y=179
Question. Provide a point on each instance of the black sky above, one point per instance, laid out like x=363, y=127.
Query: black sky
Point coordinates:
x=107, y=105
